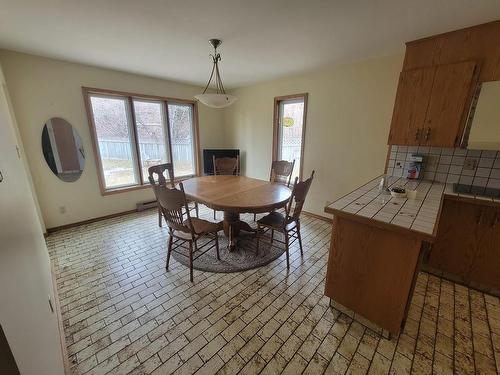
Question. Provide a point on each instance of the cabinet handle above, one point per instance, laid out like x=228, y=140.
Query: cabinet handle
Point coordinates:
x=495, y=220
x=480, y=218
x=417, y=134
x=428, y=134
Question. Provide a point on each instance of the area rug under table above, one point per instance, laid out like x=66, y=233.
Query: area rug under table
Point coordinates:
x=241, y=259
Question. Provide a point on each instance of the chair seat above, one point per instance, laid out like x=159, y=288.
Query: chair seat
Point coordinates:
x=203, y=226
x=276, y=219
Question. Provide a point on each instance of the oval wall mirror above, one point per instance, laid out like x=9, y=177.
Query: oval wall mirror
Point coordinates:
x=63, y=150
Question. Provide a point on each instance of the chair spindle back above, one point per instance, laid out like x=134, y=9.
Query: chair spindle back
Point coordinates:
x=226, y=166
x=299, y=194
x=171, y=202
x=159, y=171
x=281, y=171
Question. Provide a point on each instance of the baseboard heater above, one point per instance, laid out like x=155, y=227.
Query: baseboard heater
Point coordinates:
x=141, y=206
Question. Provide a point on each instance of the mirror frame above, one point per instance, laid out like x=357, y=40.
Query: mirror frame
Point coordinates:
x=48, y=148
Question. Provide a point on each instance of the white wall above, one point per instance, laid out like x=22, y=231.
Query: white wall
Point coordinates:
x=349, y=113
x=42, y=88
x=348, y=120
x=25, y=279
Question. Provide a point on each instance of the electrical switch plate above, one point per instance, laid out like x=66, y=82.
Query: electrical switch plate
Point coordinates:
x=470, y=164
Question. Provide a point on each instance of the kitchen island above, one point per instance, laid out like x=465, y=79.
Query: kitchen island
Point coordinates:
x=377, y=247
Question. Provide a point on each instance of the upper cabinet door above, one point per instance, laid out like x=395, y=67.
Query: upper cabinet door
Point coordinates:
x=448, y=103
x=412, y=99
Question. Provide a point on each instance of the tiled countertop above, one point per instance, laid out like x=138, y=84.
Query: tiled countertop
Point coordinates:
x=419, y=214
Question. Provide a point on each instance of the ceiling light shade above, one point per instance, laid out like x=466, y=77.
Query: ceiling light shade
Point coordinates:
x=218, y=99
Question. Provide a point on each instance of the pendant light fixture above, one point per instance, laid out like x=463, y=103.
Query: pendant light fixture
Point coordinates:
x=219, y=99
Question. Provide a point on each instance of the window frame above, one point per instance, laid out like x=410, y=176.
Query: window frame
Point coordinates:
x=195, y=145
x=276, y=127
x=165, y=120
x=136, y=157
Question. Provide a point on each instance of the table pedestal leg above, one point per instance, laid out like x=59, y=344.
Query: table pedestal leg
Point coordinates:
x=232, y=226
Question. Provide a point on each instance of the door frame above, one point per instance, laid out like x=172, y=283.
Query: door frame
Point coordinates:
x=276, y=115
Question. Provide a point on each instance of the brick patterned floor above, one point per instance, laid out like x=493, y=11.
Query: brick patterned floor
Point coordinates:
x=124, y=314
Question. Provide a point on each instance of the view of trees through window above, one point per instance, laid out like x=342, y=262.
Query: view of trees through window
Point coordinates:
x=181, y=119
x=151, y=134
x=114, y=133
x=114, y=126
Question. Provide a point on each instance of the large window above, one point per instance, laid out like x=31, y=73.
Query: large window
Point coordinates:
x=133, y=132
x=180, y=117
x=289, y=130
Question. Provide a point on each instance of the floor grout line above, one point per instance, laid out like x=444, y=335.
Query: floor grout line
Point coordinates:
x=115, y=293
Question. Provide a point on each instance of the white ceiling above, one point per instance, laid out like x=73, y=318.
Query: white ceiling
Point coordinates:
x=262, y=39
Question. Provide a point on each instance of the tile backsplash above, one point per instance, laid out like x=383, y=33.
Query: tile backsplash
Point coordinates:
x=452, y=165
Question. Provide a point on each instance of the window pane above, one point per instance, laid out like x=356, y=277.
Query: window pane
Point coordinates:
x=180, y=117
x=149, y=119
x=115, y=141
x=291, y=117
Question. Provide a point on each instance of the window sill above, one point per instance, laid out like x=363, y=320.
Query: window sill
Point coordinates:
x=126, y=189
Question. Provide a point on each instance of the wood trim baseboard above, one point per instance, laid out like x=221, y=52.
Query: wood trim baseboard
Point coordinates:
x=110, y=216
x=89, y=221
x=62, y=336
x=316, y=216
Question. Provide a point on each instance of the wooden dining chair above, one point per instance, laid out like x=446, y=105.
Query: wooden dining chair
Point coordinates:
x=157, y=176
x=226, y=167
x=182, y=231
x=288, y=224
x=281, y=173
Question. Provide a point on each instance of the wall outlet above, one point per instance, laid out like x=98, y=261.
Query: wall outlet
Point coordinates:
x=62, y=209
x=470, y=164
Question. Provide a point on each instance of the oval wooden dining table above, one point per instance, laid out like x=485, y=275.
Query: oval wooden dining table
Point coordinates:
x=235, y=195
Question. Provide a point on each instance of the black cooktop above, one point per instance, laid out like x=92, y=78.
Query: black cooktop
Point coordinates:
x=477, y=190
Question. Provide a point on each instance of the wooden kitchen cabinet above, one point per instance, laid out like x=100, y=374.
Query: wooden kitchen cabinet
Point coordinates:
x=485, y=269
x=467, y=246
x=372, y=270
x=410, y=108
x=453, y=60
x=448, y=104
x=479, y=43
x=431, y=105
x=458, y=237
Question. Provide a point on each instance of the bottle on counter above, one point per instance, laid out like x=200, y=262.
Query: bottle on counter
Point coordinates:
x=383, y=188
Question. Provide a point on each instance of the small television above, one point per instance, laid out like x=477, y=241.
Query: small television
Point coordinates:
x=208, y=154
